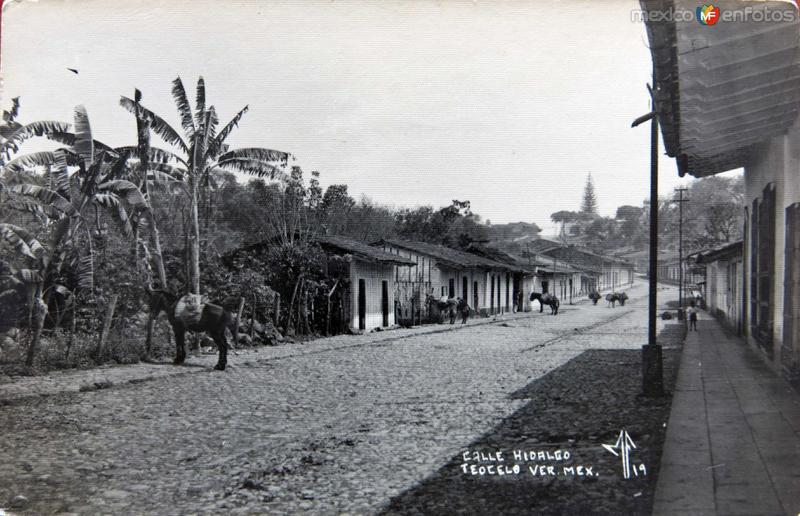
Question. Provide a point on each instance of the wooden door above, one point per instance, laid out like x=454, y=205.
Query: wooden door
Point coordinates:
x=362, y=305
x=385, y=302
x=790, y=351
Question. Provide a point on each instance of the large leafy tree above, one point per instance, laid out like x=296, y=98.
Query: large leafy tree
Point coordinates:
x=203, y=152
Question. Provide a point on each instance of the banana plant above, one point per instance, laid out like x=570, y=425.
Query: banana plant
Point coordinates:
x=203, y=151
x=13, y=133
x=37, y=264
x=85, y=177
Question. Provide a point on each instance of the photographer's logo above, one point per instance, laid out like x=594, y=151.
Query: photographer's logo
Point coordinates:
x=622, y=448
x=708, y=14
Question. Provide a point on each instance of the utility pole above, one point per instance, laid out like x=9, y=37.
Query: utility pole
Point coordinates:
x=652, y=366
x=680, y=200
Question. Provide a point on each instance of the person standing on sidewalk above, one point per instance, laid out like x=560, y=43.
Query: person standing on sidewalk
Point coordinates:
x=692, y=316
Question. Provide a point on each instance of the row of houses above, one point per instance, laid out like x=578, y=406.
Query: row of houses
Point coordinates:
x=394, y=282
x=727, y=97
x=723, y=293
x=673, y=269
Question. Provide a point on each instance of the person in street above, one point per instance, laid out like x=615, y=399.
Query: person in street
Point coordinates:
x=692, y=311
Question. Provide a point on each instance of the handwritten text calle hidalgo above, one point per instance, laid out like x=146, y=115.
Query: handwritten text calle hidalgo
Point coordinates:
x=539, y=463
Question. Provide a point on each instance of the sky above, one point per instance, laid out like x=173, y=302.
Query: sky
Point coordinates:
x=506, y=104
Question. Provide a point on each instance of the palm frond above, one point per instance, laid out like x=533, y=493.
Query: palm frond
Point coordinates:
x=113, y=204
x=46, y=197
x=40, y=128
x=86, y=272
x=124, y=189
x=210, y=123
x=157, y=124
x=256, y=153
x=9, y=116
x=60, y=173
x=251, y=166
x=226, y=131
x=161, y=172
x=84, y=144
x=154, y=155
x=68, y=138
x=184, y=109
x=201, y=99
x=28, y=161
x=21, y=240
x=106, y=199
x=119, y=167
x=41, y=212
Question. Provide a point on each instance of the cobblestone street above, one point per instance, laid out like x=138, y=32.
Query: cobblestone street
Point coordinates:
x=336, y=425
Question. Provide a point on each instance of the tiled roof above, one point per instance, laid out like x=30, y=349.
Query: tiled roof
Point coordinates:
x=339, y=244
x=360, y=250
x=725, y=251
x=446, y=255
x=541, y=264
x=584, y=259
x=542, y=245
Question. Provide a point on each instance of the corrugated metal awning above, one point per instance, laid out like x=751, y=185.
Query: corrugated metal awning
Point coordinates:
x=722, y=88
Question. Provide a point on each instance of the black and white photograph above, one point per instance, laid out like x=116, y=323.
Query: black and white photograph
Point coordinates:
x=391, y=257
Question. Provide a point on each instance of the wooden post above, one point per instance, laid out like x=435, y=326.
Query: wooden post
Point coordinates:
x=112, y=305
x=306, y=324
x=71, y=339
x=253, y=320
x=291, y=303
x=277, y=313
x=328, y=322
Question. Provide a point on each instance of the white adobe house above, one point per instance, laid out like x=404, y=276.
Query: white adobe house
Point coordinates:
x=724, y=284
x=727, y=97
x=440, y=271
x=371, y=275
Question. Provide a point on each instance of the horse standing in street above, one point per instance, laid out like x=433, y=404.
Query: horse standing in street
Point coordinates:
x=594, y=296
x=546, y=299
x=192, y=313
x=615, y=297
x=438, y=308
x=464, y=310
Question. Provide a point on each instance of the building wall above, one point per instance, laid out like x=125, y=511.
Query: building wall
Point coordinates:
x=724, y=291
x=530, y=284
x=443, y=276
x=669, y=273
x=432, y=278
x=778, y=162
x=615, y=277
x=559, y=285
x=373, y=275
x=500, y=299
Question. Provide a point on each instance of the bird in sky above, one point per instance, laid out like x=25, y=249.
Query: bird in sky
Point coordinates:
x=73, y=70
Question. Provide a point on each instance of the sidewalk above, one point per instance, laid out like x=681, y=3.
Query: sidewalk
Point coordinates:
x=733, y=437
